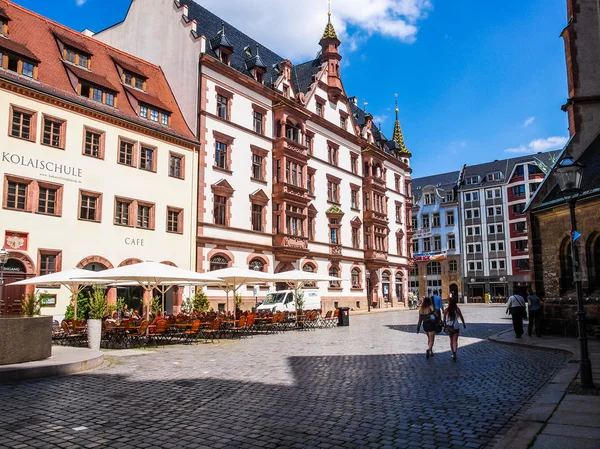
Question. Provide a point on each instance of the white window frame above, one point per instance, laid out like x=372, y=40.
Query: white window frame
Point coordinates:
x=499, y=246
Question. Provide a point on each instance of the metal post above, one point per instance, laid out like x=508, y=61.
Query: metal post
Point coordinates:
x=585, y=367
x=1, y=284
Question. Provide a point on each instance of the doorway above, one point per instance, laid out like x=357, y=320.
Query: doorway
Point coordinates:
x=12, y=295
x=454, y=291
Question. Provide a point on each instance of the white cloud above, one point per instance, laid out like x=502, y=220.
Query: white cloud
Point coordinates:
x=293, y=29
x=528, y=122
x=80, y=2
x=550, y=143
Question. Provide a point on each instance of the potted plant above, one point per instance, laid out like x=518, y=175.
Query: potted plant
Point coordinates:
x=97, y=311
x=200, y=302
x=31, y=305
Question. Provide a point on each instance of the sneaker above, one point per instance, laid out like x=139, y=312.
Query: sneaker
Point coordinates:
x=454, y=356
x=431, y=352
x=427, y=354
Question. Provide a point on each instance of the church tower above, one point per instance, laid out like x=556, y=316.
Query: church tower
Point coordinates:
x=330, y=54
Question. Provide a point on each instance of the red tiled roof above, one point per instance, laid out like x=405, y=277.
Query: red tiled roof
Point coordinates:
x=129, y=67
x=19, y=49
x=90, y=77
x=35, y=34
x=147, y=99
x=73, y=43
x=3, y=14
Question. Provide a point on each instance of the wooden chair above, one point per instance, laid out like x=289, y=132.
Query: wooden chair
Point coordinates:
x=240, y=328
x=213, y=331
x=193, y=332
x=138, y=336
x=324, y=321
x=250, y=322
x=159, y=334
x=70, y=336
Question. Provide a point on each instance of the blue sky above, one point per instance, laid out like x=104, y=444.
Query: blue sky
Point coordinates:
x=474, y=78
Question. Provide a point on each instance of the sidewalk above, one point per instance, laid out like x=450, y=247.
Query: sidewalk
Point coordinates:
x=562, y=416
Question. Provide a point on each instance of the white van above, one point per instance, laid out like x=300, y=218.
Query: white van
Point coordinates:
x=283, y=301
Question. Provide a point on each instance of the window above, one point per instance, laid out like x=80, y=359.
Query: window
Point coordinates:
x=89, y=208
x=129, y=79
x=533, y=186
x=308, y=143
x=70, y=55
x=425, y=220
x=520, y=171
x=475, y=265
x=355, y=238
x=426, y=245
x=354, y=199
x=28, y=69
x=518, y=190
x=398, y=213
x=147, y=159
x=473, y=230
x=122, y=212
x=221, y=155
x=126, y=153
x=164, y=118
x=520, y=227
x=354, y=165
x=533, y=169
x=139, y=83
x=257, y=164
x=451, y=239
x=257, y=220
x=493, y=193
x=471, y=213
x=521, y=245
x=343, y=122
x=256, y=265
x=436, y=220
x=143, y=111
x=320, y=109
x=293, y=174
x=334, y=271
x=332, y=192
x=355, y=277
x=47, y=264
x=434, y=268
x=494, y=211
x=174, y=220
x=47, y=198
x=495, y=228
x=497, y=264
x=176, y=166
x=518, y=209
x=143, y=216
x=474, y=248
x=469, y=180
x=97, y=95
x=429, y=199
x=310, y=183
x=94, y=142
x=497, y=246
x=22, y=125
x=258, y=122
x=222, y=103
x=523, y=265
x=154, y=115
x=220, y=207
x=415, y=246
x=449, y=196
x=333, y=155
x=495, y=176
x=437, y=243
x=218, y=263
x=52, y=132
x=471, y=196
x=16, y=195
x=311, y=228
x=415, y=222
x=450, y=218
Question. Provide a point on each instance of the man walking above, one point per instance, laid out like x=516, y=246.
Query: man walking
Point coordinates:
x=516, y=307
x=438, y=305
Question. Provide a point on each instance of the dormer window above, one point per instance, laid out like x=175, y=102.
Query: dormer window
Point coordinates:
x=224, y=56
x=133, y=80
x=97, y=94
x=18, y=64
x=472, y=180
x=495, y=176
x=153, y=114
x=260, y=77
x=76, y=57
x=4, y=23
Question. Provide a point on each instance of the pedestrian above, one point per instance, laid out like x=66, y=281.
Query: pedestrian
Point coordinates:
x=516, y=307
x=535, y=313
x=427, y=319
x=451, y=324
x=438, y=304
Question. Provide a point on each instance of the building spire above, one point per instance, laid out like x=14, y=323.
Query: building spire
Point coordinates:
x=329, y=32
x=398, y=136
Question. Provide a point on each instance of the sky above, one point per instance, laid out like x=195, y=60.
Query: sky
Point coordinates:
x=475, y=80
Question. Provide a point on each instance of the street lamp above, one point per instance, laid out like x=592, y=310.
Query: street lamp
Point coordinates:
x=3, y=259
x=569, y=174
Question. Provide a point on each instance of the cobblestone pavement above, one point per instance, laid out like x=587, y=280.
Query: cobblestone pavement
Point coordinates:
x=367, y=385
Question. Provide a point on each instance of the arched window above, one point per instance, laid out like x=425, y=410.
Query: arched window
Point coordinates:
x=566, y=266
x=356, y=278
x=453, y=266
x=256, y=265
x=385, y=277
x=434, y=268
x=335, y=272
x=218, y=262
x=309, y=268
x=414, y=271
x=593, y=262
x=293, y=132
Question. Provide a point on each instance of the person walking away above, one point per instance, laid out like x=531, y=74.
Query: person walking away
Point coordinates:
x=438, y=304
x=516, y=307
x=451, y=324
x=535, y=313
x=427, y=319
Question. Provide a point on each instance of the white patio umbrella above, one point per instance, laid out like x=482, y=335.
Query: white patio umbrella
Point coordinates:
x=297, y=279
x=74, y=279
x=151, y=275
x=233, y=278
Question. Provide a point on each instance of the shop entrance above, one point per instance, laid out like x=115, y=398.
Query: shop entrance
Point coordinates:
x=12, y=295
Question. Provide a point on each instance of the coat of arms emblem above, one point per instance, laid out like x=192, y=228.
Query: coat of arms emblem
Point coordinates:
x=15, y=242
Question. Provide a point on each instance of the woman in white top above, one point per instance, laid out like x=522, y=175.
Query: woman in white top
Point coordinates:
x=451, y=316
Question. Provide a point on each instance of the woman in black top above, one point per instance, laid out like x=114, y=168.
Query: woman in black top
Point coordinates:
x=428, y=319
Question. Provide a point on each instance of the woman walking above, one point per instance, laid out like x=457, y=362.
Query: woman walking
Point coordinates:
x=427, y=318
x=451, y=325
x=535, y=313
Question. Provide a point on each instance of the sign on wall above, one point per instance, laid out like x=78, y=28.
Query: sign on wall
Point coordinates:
x=45, y=169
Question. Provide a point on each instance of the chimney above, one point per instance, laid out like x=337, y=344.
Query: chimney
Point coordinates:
x=353, y=100
x=194, y=26
x=88, y=33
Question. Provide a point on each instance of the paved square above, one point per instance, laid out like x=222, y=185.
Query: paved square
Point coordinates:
x=368, y=385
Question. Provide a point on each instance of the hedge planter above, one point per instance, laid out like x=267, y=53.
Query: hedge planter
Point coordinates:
x=94, y=334
x=24, y=339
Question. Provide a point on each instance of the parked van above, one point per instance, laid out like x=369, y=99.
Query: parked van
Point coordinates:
x=283, y=301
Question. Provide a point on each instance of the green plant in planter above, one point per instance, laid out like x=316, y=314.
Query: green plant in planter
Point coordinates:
x=200, y=303
x=156, y=305
x=299, y=300
x=120, y=305
x=31, y=305
x=83, y=306
x=239, y=302
x=98, y=306
x=110, y=308
x=188, y=305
